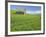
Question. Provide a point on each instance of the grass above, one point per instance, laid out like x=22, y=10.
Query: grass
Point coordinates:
x=25, y=22
x=13, y=11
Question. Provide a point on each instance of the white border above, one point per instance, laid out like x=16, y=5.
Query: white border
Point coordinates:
x=24, y=32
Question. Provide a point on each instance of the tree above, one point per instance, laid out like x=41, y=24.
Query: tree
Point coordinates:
x=20, y=11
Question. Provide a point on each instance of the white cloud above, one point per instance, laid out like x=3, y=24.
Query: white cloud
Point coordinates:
x=33, y=12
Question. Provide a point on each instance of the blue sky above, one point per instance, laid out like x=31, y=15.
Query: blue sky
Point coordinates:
x=29, y=9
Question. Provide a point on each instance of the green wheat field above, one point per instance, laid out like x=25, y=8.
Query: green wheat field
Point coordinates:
x=27, y=22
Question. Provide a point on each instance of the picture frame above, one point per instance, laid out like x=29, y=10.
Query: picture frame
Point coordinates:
x=21, y=3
